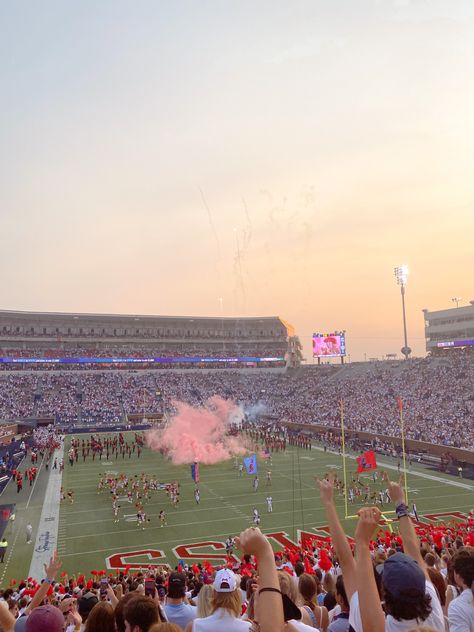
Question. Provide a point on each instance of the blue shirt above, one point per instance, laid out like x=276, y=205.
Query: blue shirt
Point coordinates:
x=181, y=613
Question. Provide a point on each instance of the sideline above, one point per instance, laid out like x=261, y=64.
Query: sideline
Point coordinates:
x=47, y=533
x=19, y=523
x=430, y=477
x=12, y=548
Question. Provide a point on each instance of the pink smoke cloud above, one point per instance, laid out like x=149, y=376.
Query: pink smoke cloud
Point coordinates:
x=199, y=434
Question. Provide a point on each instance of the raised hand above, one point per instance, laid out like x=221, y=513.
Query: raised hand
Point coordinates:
x=253, y=542
x=396, y=491
x=368, y=522
x=51, y=569
x=326, y=489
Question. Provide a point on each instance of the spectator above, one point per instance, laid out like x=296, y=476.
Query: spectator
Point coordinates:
x=439, y=583
x=340, y=622
x=140, y=614
x=461, y=609
x=176, y=610
x=204, y=601
x=101, y=618
x=288, y=588
x=45, y=619
x=452, y=591
x=119, y=611
x=409, y=597
x=85, y=605
x=226, y=607
x=308, y=588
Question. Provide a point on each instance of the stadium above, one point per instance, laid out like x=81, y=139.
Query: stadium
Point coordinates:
x=106, y=460
x=237, y=316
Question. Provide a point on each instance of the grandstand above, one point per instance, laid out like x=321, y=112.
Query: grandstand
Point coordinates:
x=104, y=395
x=61, y=368
x=437, y=396
x=449, y=329
x=29, y=336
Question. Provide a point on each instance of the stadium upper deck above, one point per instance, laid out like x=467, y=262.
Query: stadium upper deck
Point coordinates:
x=56, y=335
x=448, y=329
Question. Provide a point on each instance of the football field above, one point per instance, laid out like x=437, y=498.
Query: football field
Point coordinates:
x=89, y=539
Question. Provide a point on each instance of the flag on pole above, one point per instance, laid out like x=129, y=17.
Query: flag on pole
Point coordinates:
x=195, y=472
x=400, y=404
x=250, y=463
x=366, y=462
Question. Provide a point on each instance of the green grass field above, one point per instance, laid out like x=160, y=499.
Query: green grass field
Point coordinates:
x=88, y=534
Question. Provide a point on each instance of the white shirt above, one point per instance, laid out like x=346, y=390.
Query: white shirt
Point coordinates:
x=435, y=619
x=219, y=621
x=461, y=612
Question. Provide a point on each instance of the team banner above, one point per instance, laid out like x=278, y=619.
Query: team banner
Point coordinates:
x=195, y=472
x=250, y=463
x=366, y=462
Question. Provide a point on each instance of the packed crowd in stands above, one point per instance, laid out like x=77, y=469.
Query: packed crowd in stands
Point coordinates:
x=416, y=578
x=438, y=396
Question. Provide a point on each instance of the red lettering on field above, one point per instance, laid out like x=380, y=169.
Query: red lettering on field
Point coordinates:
x=283, y=539
x=186, y=551
x=121, y=560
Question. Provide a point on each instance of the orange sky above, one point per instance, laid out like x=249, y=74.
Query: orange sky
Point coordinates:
x=284, y=157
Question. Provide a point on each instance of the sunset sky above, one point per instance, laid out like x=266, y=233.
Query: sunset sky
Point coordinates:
x=285, y=156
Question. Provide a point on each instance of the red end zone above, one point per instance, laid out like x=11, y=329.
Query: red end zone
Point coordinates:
x=214, y=550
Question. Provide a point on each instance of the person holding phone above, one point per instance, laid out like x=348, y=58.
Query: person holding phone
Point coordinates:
x=104, y=586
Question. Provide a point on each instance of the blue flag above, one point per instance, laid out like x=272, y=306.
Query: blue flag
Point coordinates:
x=195, y=471
x=250, y=463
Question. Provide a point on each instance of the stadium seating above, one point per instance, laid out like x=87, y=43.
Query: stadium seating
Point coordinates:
x=437, y=395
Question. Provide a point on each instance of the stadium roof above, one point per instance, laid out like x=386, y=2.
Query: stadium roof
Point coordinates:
x=21, y=313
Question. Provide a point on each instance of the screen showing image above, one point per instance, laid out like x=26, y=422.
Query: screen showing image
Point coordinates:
x=333, y=345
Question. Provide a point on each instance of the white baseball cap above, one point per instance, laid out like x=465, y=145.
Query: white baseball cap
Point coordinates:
x=225, y=581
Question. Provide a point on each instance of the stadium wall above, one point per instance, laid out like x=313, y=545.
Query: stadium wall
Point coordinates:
x=465, y=456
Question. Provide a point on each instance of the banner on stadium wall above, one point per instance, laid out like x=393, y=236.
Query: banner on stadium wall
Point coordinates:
x=179, y=360
x=366, y=462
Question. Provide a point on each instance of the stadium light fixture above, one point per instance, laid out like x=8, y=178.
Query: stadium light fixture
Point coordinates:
x=456, y=300
x=401, y=275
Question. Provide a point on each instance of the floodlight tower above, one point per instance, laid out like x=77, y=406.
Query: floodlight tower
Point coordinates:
x=456, y=300
x=401, y=274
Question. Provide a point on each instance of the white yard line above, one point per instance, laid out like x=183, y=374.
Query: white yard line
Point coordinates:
x=231, y=507
x=47, y=534
x=197, y=509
